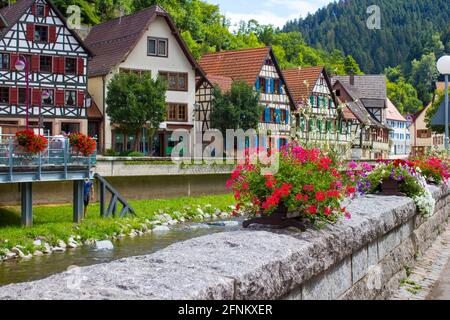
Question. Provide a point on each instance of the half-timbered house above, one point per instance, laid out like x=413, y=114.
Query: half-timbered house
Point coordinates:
x=259, y=68
x=318, y=117
x=368, y=95
x=35, y=32
x=144, y=42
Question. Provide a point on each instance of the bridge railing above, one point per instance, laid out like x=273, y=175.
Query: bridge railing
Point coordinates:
x=59, y=155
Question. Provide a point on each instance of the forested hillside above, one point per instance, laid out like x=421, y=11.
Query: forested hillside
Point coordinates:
x=406, y=30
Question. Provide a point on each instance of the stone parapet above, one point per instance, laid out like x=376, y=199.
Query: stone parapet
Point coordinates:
x=362, y=258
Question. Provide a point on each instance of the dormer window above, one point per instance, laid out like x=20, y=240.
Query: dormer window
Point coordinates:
x=41, y=33
x=157, y=47
x=40, y=11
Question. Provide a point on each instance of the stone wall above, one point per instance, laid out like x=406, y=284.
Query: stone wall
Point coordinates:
x=362, y=258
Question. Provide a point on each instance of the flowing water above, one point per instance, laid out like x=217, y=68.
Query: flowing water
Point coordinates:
x=45, y=266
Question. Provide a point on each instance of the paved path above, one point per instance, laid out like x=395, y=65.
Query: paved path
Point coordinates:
x=442, y=289
x=430, y=277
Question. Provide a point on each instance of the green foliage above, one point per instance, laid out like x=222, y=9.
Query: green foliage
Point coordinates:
x=238, y=108
x=403, y=95
x=351, y=66
x=134, y=101
x=423, y=76
x=407, y=28
x=408, y=184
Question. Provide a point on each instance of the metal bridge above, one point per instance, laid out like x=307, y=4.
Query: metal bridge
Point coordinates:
x=59, y=162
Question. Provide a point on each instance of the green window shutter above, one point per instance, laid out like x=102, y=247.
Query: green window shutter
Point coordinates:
x=311, y=124
x=302, y=124
x=312, y=100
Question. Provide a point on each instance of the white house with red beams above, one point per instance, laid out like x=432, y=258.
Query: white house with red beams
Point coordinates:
x=35, y=31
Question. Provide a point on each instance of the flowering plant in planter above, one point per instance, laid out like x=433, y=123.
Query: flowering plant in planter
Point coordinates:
x=410, y=182
x=86, y=145
x=31, y=142
x=433, y=169
x=307, y=182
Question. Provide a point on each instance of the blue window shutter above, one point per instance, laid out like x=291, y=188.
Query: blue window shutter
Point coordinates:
x=287, y=116
x=264, y=143
x=279, y=143
x=281, y=86
x=257, y=141
x=267, y=85
x=257, y=86
x=273, y=85
x=278, y=115
x=267, y=115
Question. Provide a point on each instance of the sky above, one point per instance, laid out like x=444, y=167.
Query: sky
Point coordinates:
x=275, y=12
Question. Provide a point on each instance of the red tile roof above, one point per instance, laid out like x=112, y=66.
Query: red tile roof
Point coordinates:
x=224, y=83
x=242, y=64
x=301, y=81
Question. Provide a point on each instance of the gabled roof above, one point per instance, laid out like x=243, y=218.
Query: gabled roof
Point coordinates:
x=357, y=107
x=243, y=64
x=11, y=15
x=369, y=86
x=393, y=113
x=115, y=39
x=371, y=89
x=301, y=81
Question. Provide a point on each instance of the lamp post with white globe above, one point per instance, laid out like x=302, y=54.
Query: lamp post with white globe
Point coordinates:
x=443, y=66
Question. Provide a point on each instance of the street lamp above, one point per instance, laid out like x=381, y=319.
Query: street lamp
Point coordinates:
x=22, y=65
x=443, y=66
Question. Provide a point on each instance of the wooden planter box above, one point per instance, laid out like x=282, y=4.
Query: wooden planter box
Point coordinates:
x=391, y=187
x=278, y=219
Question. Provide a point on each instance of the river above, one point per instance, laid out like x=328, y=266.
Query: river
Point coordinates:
x=17, y=271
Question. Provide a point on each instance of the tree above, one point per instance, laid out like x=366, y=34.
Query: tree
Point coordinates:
x=351, y=66
x=404, y=96
x=238, y=108
x=423, y=76
x=136, y=101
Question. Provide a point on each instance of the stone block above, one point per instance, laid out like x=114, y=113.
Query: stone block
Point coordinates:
x=387, y=243
x=317, y=288
x=372, y=254
x=360, y=264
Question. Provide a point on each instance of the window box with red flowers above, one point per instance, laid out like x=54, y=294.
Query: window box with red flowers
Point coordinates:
x=31, y=143
x=83, y=144
x=306, y=187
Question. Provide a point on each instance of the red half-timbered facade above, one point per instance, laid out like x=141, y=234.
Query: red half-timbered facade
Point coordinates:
x=35, y=31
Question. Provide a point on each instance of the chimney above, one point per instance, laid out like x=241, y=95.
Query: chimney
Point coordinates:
x=352, y=79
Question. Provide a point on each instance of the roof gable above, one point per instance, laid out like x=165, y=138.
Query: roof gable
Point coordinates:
x=12, y=14
x=393, y=113
x=114, y=40
x=302, y=81
x=371, y=87
x=243, y=64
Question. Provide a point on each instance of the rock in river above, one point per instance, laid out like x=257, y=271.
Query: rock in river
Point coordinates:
x=104, y=245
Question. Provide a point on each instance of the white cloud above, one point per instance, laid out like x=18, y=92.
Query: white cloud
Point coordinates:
x=275, y=11
x=263, y=17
